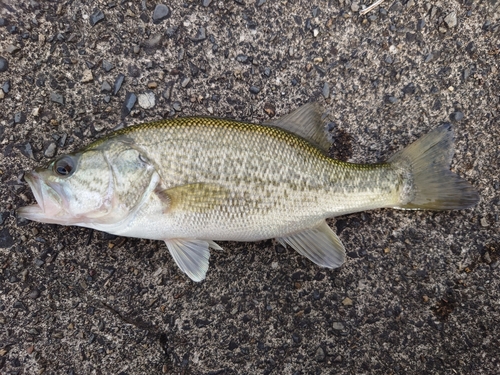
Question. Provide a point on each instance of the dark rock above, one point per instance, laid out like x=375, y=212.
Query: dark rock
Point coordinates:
x=6, y=87
x=4, y=65
x=270, y=109
x=160, y=13
x=267, y=72
x=3, y=22
x=254, y=90
x=200, y=35
x=206, y=3
x=19, y=117
x=409, y=88
x=128, y=104
x=233, y=345
x=118, y=83
x=6, y=239
x=96, y=17
x=260, y=2
x=107, y=66
x=57, y=98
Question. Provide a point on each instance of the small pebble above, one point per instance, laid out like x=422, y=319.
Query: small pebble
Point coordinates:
x=270, y=109
x=4, y=65
x=185, y=81
x=147, y=100
x=484, y=222
x=177, y=106
x=338, y=326
x=242, y=58
x=206, y=3
x=200, y=35
x=260, y=2
x=326, y=90
x=451, y=20
x=128, y=104
x=96, y=17
x=254, y=90
x=347, y=302
x=50, y=151
x=57, y=98
x=87, y=76
x=457, y=116
x=107, y=66
x=320, y=355
x=105, y=87
x=160, y=13
x=118, y=83
x=6, y=87
x=19, y=117
x=152, y=85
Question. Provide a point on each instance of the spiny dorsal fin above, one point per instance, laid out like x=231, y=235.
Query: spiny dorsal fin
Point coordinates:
x=306, y=122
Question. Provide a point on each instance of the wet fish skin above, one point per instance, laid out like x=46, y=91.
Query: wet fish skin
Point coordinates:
x=191, y=181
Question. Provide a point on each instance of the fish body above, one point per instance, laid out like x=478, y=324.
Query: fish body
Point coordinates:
x=192, y=181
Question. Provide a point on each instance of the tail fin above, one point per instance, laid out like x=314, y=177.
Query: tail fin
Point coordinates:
x=428, y=182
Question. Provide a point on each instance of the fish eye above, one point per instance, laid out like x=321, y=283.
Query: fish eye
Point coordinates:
x=64, y=166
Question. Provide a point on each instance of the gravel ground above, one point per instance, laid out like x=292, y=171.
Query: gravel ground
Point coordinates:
x=420, y=291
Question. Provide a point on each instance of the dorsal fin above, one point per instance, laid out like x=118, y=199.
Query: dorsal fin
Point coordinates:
x=306, y=122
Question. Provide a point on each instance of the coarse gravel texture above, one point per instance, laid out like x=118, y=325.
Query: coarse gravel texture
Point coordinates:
x=420, y=292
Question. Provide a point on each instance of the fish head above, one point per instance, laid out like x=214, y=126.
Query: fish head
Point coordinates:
x=101, y=186
x=72, y=189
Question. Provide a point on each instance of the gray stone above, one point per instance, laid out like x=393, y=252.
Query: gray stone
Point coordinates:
x=6, y=239
x=50, y=151
x=107, y=66
x=57, y=98
x=160, y=13
x=326, y=90
x=105, y=87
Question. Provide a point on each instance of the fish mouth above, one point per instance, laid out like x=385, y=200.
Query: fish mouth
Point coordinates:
x=48, y=204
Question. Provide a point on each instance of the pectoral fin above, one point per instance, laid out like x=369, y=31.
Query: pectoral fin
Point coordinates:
x=196, y=197
x=192, y=256
x=320, y=244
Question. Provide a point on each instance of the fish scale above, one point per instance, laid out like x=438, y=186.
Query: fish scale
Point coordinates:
x=191, y=181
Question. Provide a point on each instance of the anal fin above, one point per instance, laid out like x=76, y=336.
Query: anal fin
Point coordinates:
x=191, y=256
x=320, y=244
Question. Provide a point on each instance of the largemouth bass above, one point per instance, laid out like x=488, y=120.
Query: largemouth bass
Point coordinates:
x=192, y=181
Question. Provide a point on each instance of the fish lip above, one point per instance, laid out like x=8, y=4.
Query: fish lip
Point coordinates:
x=36, y=212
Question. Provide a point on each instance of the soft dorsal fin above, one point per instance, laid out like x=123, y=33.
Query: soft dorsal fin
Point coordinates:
x=306, y=122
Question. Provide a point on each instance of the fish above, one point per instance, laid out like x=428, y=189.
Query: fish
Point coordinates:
x=191, y=181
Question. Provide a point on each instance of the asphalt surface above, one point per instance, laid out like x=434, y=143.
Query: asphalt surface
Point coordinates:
x=420, y=291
